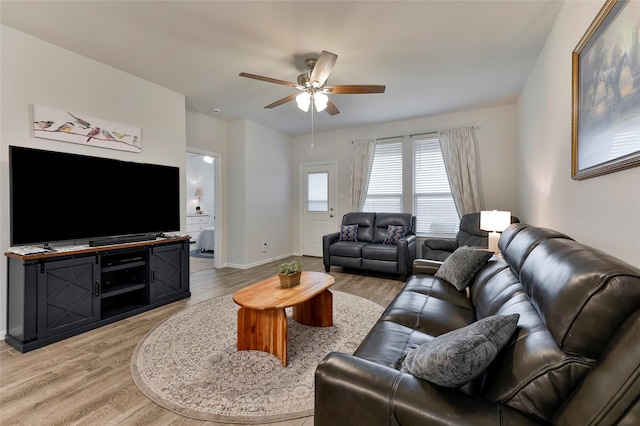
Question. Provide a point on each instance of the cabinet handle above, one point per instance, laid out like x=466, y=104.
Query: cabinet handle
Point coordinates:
x=97, y=288
x=153, y=276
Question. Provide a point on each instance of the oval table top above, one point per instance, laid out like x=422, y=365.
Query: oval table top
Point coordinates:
x=268, y=294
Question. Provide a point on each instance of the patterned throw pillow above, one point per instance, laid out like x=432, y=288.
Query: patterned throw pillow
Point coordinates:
x=459, y=356
x=348, y=233
x=394, y=233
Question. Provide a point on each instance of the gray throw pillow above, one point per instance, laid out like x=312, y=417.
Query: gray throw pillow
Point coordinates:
x=459, y=356
x=462, y=266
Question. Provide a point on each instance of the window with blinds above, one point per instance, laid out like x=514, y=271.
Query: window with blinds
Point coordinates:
x=385, y=184
x=433, y=203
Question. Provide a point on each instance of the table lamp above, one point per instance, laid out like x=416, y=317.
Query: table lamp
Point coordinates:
x=199, y=193
x=494, y=221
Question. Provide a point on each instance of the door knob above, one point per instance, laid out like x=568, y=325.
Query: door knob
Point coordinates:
x=331, y=215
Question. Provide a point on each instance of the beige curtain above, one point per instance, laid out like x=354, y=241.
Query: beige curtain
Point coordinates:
x=361, y=161
x=459, y=153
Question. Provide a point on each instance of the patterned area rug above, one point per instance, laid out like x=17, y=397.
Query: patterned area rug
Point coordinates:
x=189, y=364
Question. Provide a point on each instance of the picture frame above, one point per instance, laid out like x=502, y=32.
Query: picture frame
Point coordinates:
x=605, y=127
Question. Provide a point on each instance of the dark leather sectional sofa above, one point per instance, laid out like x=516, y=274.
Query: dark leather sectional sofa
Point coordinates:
x=574, y=358
x=369, y=253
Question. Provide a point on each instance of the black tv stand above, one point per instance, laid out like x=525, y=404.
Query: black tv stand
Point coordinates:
x=121, y=239
x=108, y=283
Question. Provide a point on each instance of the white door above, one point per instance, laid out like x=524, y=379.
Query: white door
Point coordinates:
x=318, y=206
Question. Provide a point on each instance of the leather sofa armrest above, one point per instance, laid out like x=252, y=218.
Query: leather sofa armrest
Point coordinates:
x=327, y=240
x=406, y=254
x=426, y=266
x=352, y=391
x=447, y=244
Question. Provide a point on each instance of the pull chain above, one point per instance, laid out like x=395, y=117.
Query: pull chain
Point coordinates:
x=312, y=145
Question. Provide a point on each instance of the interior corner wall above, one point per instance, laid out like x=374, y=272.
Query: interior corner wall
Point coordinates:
x=602, y=211
x=236, y=212
x=208, y=134
x=36, y=72
x=260, y=194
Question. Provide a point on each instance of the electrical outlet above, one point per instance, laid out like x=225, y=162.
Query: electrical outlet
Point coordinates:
x=264, y=246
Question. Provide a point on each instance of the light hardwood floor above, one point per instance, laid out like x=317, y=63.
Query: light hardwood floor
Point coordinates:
x=85, y=380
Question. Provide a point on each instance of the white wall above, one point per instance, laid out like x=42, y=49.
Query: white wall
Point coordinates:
x=206, y=133
x=496, y=140
x=209, y=135
x=601, y=211
x=259, y=194
x=35, y=72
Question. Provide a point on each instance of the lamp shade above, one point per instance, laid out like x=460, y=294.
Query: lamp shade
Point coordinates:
x=320, y=100
x=303, y=100
x=494, y=220
x=199, y=192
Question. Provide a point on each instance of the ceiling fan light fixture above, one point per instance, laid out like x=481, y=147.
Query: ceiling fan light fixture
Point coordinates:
x=303, y=100
x=320, y=100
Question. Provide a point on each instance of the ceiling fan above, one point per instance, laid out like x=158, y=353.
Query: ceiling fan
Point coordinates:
x=313, y=87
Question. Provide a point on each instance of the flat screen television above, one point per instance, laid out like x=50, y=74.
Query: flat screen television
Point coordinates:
x=61, y=197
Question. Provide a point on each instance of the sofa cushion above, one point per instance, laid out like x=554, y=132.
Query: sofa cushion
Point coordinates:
x=365, y=222
x=380, y=252
x=582, y=294
x=455, y=358
x=383, y=220
x=348, y=233
x=517, y=242
x=463, y=264
x=430, y=305
x=387, y=341
x=394, y=233
x=347, y=248
x=532, y=374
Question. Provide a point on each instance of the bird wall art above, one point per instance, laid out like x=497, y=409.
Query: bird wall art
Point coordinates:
x=55, y=124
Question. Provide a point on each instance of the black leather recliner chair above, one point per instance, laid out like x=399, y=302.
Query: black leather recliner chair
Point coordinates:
x=368, y=252
x=470, y=235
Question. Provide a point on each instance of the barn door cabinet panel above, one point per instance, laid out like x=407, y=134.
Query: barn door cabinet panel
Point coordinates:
x=57, y=295
x=68, y=295
x=168, y=267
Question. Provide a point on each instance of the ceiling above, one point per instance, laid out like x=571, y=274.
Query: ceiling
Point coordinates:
x=434, y=57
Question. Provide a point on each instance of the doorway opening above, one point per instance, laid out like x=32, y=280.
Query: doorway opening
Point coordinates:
x=202, y=204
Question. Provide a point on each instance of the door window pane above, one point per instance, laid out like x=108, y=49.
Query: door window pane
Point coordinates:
x=318, y=190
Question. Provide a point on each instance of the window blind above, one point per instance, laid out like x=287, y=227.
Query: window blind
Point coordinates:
x=385, y=184
x=433, y=204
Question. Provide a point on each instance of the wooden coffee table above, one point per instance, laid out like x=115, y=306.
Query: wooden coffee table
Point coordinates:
x=262, y=321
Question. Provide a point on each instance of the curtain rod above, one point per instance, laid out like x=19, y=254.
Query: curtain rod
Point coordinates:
x=475, y=126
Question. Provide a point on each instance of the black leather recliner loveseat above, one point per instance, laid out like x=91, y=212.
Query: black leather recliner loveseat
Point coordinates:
x=369, y=250
x=574, y=358
x=470, y=234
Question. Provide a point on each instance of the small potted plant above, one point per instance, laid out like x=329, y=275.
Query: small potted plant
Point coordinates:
x=198, y=210
x=289, y=273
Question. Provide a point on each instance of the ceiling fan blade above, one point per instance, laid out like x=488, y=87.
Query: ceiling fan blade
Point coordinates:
x=332, y=108
x=282, y=101
x=323, y=68
x=268, y=79
x=356, y=89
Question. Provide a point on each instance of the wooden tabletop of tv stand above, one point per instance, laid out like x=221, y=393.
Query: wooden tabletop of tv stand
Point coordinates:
x=94, y=249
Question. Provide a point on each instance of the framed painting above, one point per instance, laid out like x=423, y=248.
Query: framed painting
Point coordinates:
x=606, y=93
